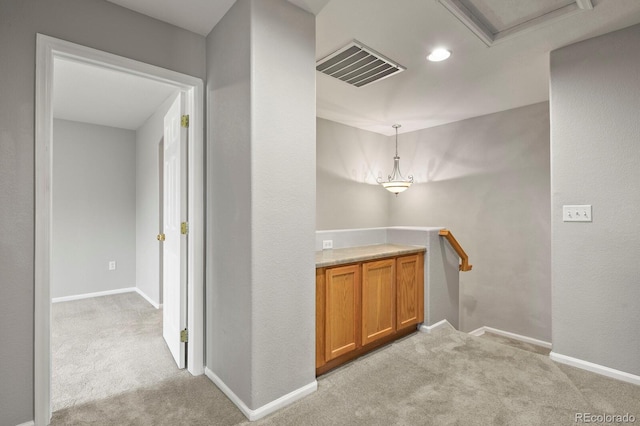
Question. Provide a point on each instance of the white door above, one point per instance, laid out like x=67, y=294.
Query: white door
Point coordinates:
x=174, y=266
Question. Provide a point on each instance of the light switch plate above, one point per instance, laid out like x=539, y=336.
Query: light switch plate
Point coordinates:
x=327, y=244
x=576, y=213
x=112, y=265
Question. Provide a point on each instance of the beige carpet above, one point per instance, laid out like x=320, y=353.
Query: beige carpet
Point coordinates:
x=105, y=346
x=444, y=378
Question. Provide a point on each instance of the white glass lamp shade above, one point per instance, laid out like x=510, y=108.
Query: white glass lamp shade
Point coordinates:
x=396, y=187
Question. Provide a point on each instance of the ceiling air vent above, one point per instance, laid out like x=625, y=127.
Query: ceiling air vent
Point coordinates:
x=358, y=65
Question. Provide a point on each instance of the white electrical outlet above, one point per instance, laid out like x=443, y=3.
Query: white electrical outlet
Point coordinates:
x=580, y=213
x=327, y=244
x=112, y=265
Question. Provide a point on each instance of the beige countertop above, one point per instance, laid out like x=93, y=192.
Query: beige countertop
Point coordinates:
x=343, y=256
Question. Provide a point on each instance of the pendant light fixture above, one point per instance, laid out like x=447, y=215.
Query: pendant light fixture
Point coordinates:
x=396, y=182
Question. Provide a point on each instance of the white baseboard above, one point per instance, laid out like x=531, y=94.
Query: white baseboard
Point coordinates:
x=480, y=331
x=96, y=294
x=107, y=293
x=595, y=368
x=477, y=332
x=147, y=298
x=267, y=409
x=29, y=423
x=431, y=328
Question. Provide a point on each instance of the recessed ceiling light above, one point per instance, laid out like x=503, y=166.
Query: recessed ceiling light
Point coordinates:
x=439, y=55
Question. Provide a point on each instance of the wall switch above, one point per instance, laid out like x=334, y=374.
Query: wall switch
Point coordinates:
x=112, y=265
x=580, y=213
x=327, y=244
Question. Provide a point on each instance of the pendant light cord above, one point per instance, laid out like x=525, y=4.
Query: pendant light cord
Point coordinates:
x=396, y=141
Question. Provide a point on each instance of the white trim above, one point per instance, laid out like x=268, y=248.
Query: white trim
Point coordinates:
x=477, y=332
x=29, y=423
x=107, y=293
x=194, y=103
x=595, y=368
x=48, y=48
x=266, y=409
x=480, y=29
x=90, y=295
x=42, y=290
x=480, y=331
x=431, y=328
x=147, y=298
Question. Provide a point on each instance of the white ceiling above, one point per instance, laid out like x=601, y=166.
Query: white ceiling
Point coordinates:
x=198, y=16
x=95, y=95
x=476, y=80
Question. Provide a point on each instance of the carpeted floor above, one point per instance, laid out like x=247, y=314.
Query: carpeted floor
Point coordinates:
x=443, y=378
x=104, y=346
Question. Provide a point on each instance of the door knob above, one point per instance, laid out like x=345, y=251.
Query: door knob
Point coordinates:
x=160, y=237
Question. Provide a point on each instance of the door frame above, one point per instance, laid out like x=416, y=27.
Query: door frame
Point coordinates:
x=47, y=49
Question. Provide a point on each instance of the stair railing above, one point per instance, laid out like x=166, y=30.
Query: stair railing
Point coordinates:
x=464, y=259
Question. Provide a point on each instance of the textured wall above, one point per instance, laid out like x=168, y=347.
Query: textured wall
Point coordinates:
x=261, y=192
x=93, y=210
x=595, y=99
x=487, y=179
x=93, y=23
x=148, y=138
x=228, y=250
x=348, y=163
x=283, y=197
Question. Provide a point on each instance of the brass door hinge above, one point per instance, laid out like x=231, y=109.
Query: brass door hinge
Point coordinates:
x=160, y=237
x=184, y=336
x=184, y=121
x=184, y=228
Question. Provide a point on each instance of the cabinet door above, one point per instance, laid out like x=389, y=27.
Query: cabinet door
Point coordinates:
x=410, y=290
x=378, y=300
x=342, y=301
x=320, y=315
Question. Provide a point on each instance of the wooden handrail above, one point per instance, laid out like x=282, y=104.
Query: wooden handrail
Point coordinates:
x=464, y=265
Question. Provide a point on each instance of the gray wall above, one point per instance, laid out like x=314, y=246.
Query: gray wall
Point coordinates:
x=348, y=163
x=93, y=23
x=283, y=198
x=261, y=200
x=148, y=139
x=228, y=249
x=595, y=99
x=487, y=179
x=93, y=209
x=442, y=276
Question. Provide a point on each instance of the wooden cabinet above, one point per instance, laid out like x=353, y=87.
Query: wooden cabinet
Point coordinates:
x=342, y=298
x=410, y=291
x=378, y=299
x=364, y=305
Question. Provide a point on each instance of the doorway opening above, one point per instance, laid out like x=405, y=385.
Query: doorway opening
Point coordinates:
x=191, y=265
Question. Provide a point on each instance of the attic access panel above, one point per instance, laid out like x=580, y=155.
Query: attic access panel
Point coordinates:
x=496, y=20
x=358, y=65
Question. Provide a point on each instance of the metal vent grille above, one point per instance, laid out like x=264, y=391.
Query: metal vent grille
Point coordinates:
x=358, y=65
